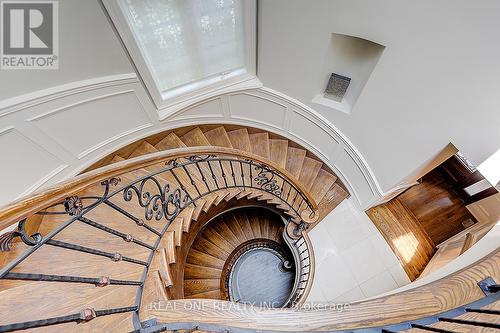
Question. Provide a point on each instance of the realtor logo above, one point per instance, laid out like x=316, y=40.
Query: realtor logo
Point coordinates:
x=29, y=36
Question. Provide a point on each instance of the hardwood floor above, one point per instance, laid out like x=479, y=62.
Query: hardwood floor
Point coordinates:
x=437, y=208
x=419, y=219
x=404, y=235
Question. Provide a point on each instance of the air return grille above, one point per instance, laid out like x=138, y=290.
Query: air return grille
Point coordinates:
x=337, y=87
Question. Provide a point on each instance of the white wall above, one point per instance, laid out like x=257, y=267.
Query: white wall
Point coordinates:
x=437, y=80
x=353, y=260
x=65, y=129
x=88, y=48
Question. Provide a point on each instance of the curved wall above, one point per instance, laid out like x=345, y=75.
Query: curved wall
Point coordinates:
x=53, y=134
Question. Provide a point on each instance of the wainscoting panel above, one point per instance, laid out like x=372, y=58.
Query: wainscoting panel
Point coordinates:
x=302, y=127
x=85, y=126
x=79, y=123
x=355, y=177
x=25, y=165
x=250, y=107
x=208, y=109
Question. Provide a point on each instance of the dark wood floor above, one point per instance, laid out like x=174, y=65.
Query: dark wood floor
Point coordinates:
x=438, y=209
x=404, y=235
x=420, y=218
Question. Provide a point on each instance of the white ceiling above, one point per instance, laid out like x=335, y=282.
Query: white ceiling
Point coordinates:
x=438, y=80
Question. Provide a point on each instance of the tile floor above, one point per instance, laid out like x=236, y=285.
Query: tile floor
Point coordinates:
x=353, y=261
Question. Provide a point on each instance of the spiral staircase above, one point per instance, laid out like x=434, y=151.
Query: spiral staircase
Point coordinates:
x=149, y=240
x=309, y=171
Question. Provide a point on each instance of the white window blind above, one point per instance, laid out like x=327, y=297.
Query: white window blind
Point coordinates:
x=187, y=42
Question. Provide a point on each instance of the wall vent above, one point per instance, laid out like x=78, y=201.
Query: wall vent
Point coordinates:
x=337, y=87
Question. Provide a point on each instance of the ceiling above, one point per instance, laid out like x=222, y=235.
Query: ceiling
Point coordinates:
x=436, y=82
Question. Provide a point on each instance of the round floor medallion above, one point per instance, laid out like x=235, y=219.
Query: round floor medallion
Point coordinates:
x=261, y=275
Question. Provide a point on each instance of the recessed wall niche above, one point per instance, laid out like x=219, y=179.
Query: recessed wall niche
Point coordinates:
x=349, y=62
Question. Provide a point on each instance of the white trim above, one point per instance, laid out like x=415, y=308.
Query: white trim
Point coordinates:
x=38, y=97
x=42, y=181
x=335, y=133
x=175, y=108
x=279, y=127
x=49, y=175
x=168, y=105
x=251, y=88
x=112, y=139
x=88, y=151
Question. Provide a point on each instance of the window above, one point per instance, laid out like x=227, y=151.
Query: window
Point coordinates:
x=183, y=48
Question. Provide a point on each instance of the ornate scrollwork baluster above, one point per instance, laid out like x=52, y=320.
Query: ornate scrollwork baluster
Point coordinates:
x=7, y=238
x=266, y=179
x=166, y=202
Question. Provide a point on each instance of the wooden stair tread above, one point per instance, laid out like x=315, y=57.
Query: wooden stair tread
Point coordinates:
x=61, y=261
x=236, y=228
x=245, y=225
x=117, y=158
x=264, y=226
x=218, y=137
x=214, y=294
x=177, y=228
x=205, y=246
x=209, y=202
x=332, y=199
x=221, y=195
x=255, y=225
x=199, y=258
x=201, y=272
x=143, y=149
x=186, y=216
x=59, y=299
x=171, y=141
x=226, y=232
x=323, y=182
x=294, y=160
x=198, y=286
x=98, y=239
x=198, y=209
x=277, y=151
x=309, y=171
x=232, y=193
x=168, y=245
x=240, y=139
x=260, y=144
x=163, y=268
x=194, y=138
x=111, y=218
x=213, y=236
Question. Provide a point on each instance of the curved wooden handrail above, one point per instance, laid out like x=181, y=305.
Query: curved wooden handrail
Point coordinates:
x=442, y=295
x=29, y=205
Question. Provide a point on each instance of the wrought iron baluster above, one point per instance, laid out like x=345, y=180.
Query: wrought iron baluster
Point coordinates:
x=294, y=198
x=203, y=178
x=289, y=190
x=183, y=188
x=84, y=315
x=242, y=174
x=232, y=173
x=137, y=221
x=223, y=173
x=302, y=201
x=125, y=237
x=213, y=174
x=100, y=282
x=250, y=164
x=113, y=256
x=469, y=322
x=191, y=180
